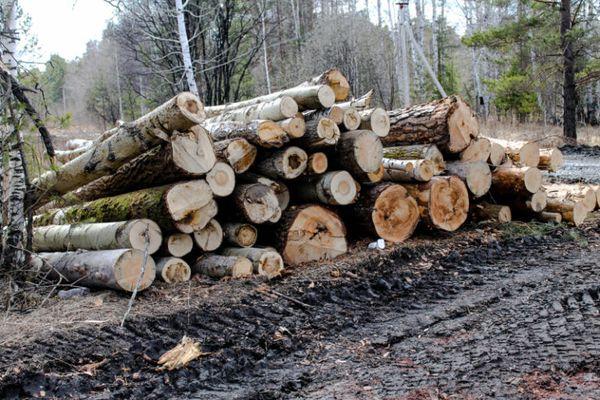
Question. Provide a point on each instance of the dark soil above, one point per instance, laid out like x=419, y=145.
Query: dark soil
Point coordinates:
x=480, y=315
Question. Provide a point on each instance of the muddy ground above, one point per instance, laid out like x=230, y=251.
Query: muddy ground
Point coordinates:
x=490, y=312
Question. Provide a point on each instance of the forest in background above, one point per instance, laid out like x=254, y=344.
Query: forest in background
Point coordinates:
x=508, y=61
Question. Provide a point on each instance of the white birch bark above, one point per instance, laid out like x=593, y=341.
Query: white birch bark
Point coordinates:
x=262, y=11
x=185, y=48
x=8, y=46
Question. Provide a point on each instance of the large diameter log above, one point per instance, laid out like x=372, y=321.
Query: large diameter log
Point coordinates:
x=522, y=153
x=443, y=202
x=129, y=141
x=320, y=133
x=240, y=234
x=173, y=270
x=177, y=244
x=288, y=163
x=491, y=212
x=217, y=266
x=359, y=151
x=477, y=175
x=256, y=202
x=333, y=78
x=351, y=120
x=497, y=154
x=295, y=127
x=138, y=234
x=281, y=190
x=316, y=164
x=165, y=205
x=310, y=232
x=516, y=181
x=265, y=261
x=418, y=152
x=238, y=153
x=448, y=123
x=388, y=211
x=571, y=211
x=221, y=179
x=576, y=192
x=361, y=103
x=198, y=218
x=479, y=150
x=334, y=187
x=307, y=98
x=274, y=110
x=118, y=269
x=551, y=159
x=261, y=133
x=210, y=237
x=407, y=170
x=376, y=120
x=188, y=155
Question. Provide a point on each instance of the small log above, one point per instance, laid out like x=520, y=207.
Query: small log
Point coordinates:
x=177, y=245
x=320, y=133
x=576, y=192
x=491, y=212
x=129, y=141
x=359, y=151
x=387, y=211
x=261, y=133
x=136, y=234
x=443, y=202
x=497, y=154
x=240, y=234
x=274, y=110
x=165, y=205
x=545, y=216
x=117, y=269
x=210, y=237
x=217, y=266
x=516, y=181
x=571, y=211
x=334, y=187
x=294, y=127
x=538, y=201
x=477, y=175
x=375, y=120
x=418, y=152
x=256, y=202
x=173, y=270
x=333, y=78
x=526, y=154
x=288, y=163
x=448, y=123
x=551, y=159
x=359, y=104
x=265, y=261
x=317, y=164
x=351, y=120
x=407, y=170
x=281, y=190
x=371, y=177
x=334, y=113
x=199, y=218
x=310, y=232
x=478, y=150
x=221, y=179
x=238, y=153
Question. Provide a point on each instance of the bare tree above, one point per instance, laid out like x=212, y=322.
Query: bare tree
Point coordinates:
x=185, y=48
x=569, y=88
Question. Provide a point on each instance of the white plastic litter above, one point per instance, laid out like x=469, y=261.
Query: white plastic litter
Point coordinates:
x=379, y=244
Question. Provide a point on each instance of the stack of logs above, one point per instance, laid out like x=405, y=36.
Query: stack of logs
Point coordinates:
x=284, y=178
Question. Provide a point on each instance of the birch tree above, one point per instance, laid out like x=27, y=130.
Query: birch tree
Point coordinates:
x=190, y=76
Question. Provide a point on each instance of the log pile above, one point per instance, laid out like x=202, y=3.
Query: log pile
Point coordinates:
x=281, y=179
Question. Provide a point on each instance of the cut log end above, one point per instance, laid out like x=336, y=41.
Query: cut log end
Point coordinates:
x=462, y=126
x=336, y=114
x=395, y=214
x=287, y=106
x=328, y=131
x=271, y=134
x=478, y=178
x=293, y=162
x=497, y=154
x=173, y=270
x=367, y=151
x=550, y=217
x=241, y=155
x=184, y=198
x=217, y=266
x=191, y=107
x=193, y=151
x=198, y=219
x=479, y=150
x=221, y=179
x=538, y=201
x=533, y=179
x=145, y=233
x=529, y=154
x=179, y=244
x=492, y=212
x=448, y=203
x=326, y=96
x=269, y=264
x=240, y=234
x=128, y=268
x=338, y=83
x=258, y=202
x=210, y=237
x=295, y=127
x=551, y=159
x=351, y=120
x=342, y=188
x=379, y=122
x=317, y=163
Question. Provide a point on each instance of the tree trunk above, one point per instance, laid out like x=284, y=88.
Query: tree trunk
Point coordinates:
x=221, y=179
x=256, y=202
x=479, y=150
x=320, y=133
x=576, y=192
x=288, y=163
x=265, y=261
x=240, y=234
x=130, y=140
x=135, y=234
x=387, y=211
x=443, y=202
x=177, y=245
x=359, y=151
x=569, y=86
x=217, y=266
x=281, y=190
x=310, y=232
x=513, y=181
x=114, y=269
x=173, y=270
x=448, y=123
x=418, y=152
x=376, y=120
x=333, y=78
x=571, y=211
x=274, y=110
x=265, y=134
x=407, y=170
x=238, y=153
x=334, y=187
x=491, y=212
x=165, y=205
x=477, y=175
x=317, y=164
x=551, y=159
x=294, y=127
x=185, y=49
x=210, y=237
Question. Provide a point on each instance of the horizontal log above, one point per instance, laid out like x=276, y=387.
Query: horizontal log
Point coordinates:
x=238, y=153
x=333, y=187
x=217, y=266
x=522, y=153
x=359, y=151
x=210, y=237
x=407, y=170
x=294, y=127
x=375, y=120
x=333, y=78
x=418, y=152
x=477, y=175
x=288, y=163
x=551, y=159
x=320, y=133
x=577, y=192
x=257, y=203
x=571, y=211
x=514, y=181
x=261, y=133
x=265, y=261
x=240, y=234
x=491, y=212
x=361, y=103
x=221, y=179
x=198, y=218
x=478, y=150
x=173, y=270
x=177, y=245
x=316, y=164
x=274, y=110
x=280, y=190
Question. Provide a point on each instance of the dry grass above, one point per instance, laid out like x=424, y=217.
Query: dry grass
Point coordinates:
x=549, y=135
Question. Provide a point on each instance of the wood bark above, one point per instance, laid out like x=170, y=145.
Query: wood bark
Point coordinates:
x=288, y=163
x=136, y=234
x=240, y=234
x=407, y=170
x=522, y=153
x=129, y=141
x=256, y=202
x=320, y=133
x=334, y=187
x=265, y=261
x=173, y=270
x=386, y=210
x=114, y=269
x=443, y=202
x=376, y=120
x=514, y=181
x=295, y=127
x=551, y=159
x=571, y=211
x=177, y=245
x=359, y=151
x=238, y=153
x=477, y=175
x=280, y=189
x=217, y=266
x=260, y=133
x=274, y=110
x=221, y=179
x=491, y=212
x=448, y=123
x=210, y=237
x=576, y=192
x=418, y=152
